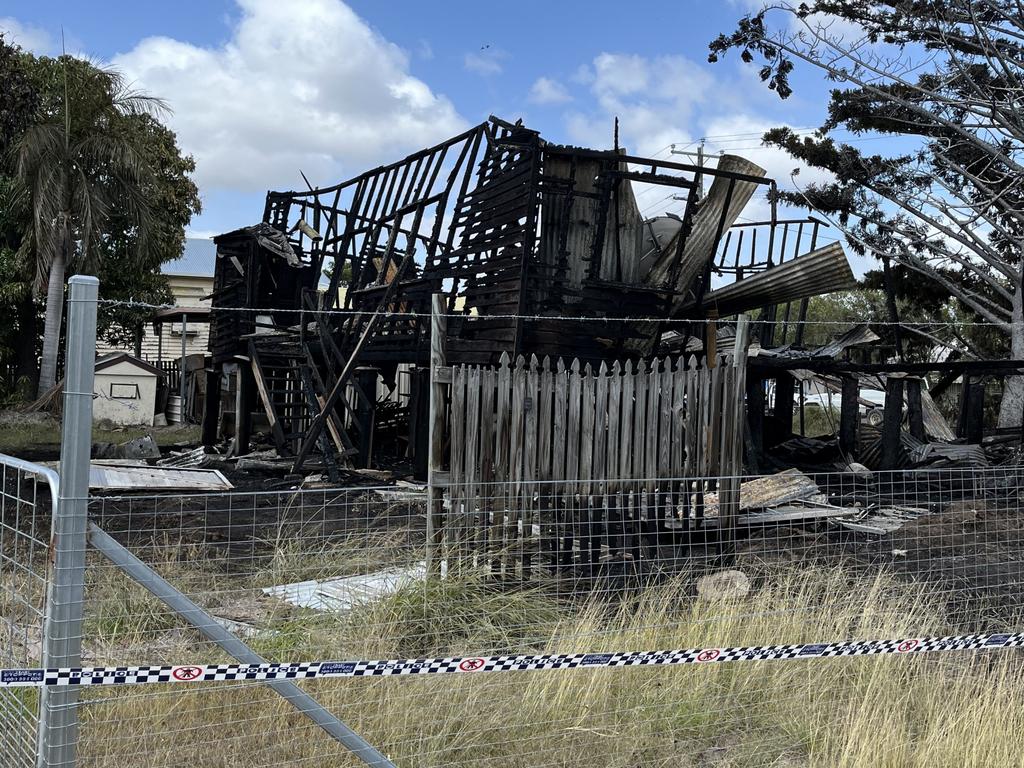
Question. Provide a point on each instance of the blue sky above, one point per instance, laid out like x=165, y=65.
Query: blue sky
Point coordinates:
x=261, y=88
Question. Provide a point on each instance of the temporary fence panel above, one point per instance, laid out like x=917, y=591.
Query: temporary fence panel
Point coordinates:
x=895, y=567
x=276, y=571
x=28, y=493
x=626, y=486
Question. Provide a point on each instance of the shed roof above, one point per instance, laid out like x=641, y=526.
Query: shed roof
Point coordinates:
x=106, y=361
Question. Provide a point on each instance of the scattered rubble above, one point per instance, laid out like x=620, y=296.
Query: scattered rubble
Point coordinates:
x=144, y=447
x=197, y=458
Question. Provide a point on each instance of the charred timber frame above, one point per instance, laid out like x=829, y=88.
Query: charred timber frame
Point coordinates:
x=509, y=201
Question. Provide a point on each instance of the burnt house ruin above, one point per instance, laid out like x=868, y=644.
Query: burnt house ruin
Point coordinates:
x=520, y=237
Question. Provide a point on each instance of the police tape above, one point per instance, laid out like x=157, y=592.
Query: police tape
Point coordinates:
x=39, y=678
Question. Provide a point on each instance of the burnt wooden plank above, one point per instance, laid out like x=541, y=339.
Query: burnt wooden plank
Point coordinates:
x=626, y=432
x=614, y=421
x=516, y=440
x=488, y=382
x=502, y=461
x=640, y=382
x=915, y=410
x=471, y=500
x=755, y=419
x=455, y=527
x=891, y=418
x=849, y=417
x=587, y=421
x=559, y=488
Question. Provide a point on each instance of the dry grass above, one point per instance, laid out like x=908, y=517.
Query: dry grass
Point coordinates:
x=945, y=710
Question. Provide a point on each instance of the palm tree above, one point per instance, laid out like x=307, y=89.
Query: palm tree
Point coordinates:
x=77, y=165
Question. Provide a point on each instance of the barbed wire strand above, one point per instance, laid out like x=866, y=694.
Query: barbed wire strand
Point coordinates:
x=134, y=304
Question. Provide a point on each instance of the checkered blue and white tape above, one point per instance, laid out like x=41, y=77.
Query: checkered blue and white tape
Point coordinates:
x=39, y=678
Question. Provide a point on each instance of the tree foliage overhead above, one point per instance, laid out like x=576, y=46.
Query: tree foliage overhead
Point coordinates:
x=19, y=103
x=945, y=78
x=128, y=269
x=77, y=144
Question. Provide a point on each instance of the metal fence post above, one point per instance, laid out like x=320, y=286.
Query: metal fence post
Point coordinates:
x=62, y=624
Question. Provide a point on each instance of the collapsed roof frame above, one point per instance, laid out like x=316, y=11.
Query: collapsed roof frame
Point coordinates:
x=522, y=237
x=498, y=203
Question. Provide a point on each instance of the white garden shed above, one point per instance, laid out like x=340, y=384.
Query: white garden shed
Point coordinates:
x=125, y=389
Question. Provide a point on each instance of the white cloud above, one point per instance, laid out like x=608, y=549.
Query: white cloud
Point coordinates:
x=617, y=74
x=548, y=91
x=275, y=97
x=655, y=100
x=670, y=100
x=487, y=61
x=28, y=36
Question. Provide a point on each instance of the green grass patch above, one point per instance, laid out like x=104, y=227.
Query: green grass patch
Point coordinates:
x=46, y=435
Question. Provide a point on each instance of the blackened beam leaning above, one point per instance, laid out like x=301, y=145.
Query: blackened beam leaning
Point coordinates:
x=828, y=365
x=371, y=325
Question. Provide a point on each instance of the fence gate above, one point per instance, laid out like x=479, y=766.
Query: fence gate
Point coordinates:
x=28, y=493
x=559, y=465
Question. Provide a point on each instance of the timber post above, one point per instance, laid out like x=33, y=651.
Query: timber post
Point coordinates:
x=892, y=415
x=849, y=418
x=419, y=420
x=366, y=411
x=436, y=477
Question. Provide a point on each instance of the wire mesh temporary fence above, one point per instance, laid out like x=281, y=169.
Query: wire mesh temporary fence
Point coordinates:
x=642, y=565
x=27, y=493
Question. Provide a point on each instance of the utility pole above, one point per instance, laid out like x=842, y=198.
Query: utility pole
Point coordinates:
x=699, y=176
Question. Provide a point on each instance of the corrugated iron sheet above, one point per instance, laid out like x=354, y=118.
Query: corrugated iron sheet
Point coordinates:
x=821, y=271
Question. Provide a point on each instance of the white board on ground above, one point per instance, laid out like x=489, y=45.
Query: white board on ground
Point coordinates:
x=343, y=593
x=118, y=476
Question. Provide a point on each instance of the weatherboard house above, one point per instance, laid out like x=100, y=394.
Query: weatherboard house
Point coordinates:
x=190, y=279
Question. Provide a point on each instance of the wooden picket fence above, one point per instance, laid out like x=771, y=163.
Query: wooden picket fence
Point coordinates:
x=561, y=465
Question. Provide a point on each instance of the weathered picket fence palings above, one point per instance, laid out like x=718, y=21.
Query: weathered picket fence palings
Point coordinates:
x=568, y=462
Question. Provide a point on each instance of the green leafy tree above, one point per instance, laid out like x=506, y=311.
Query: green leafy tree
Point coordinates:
x=19, y=102
x=76, y=168
x=128, y=271
x=943, y=78
x=107, y=190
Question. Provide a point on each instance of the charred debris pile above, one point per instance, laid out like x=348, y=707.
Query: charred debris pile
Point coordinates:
x=320, y=340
